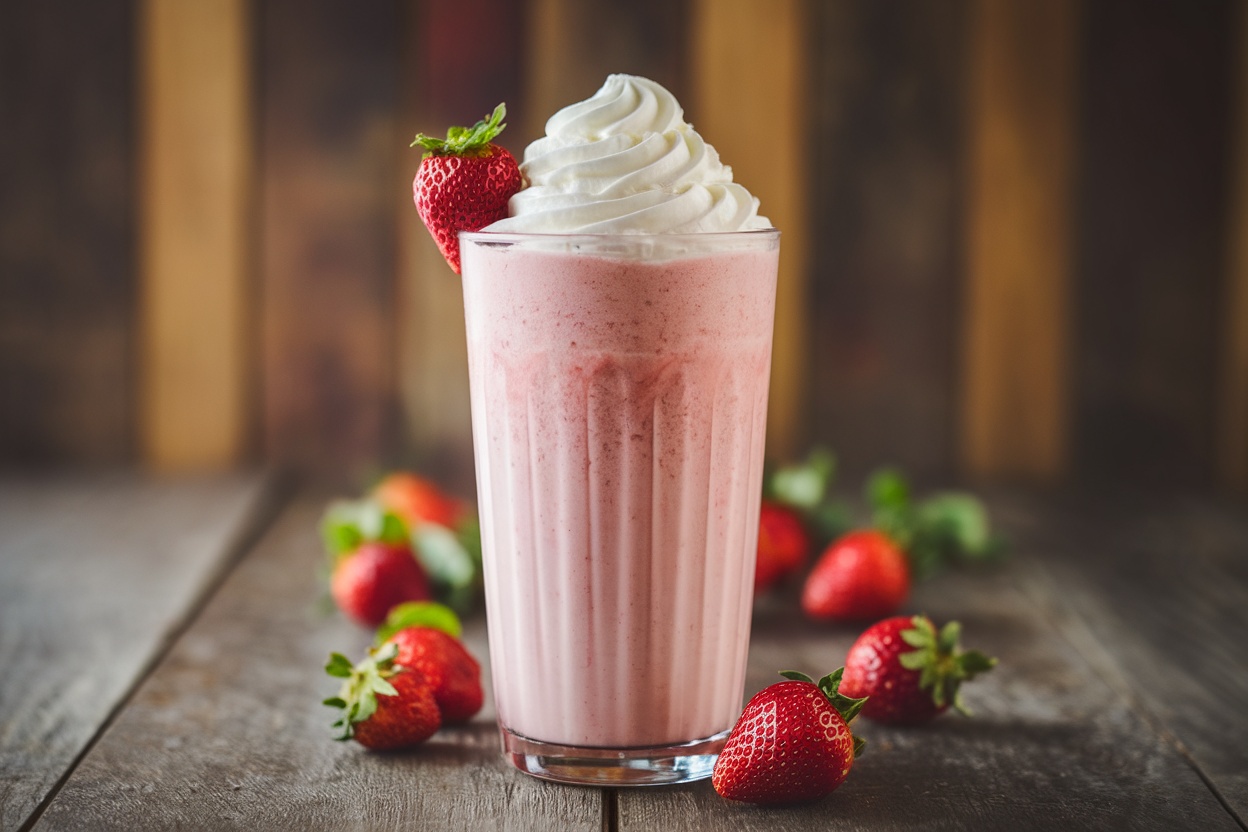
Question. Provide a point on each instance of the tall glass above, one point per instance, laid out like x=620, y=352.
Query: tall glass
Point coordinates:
x=619, y=400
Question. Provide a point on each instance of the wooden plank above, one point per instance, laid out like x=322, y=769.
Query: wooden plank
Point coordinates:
x=195, y=221
x=439, y=89
x=1154, y=182
x=1232, y=452
x=751, y=58
x=1021, y=170
x=1160, y=612
x=230, y=729
x=886, y=106
x=572, y=47
x=328, y=76
x=1052, y=745
x=66, y=228
x=96, y=575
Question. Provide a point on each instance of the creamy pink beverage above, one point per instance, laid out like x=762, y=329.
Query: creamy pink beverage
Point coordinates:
x=619, y=396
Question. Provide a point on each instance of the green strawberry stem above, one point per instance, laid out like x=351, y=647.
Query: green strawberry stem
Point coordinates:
x=419, y=614
x=942, y=665
x=846, y=706
x=464, y=141
x=363, y=683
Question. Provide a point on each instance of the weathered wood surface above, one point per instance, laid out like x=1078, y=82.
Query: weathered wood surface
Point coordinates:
x=96, y=575
x=1118, y=703
x=1052, y=744
x=1155, y=596
x=229, y=732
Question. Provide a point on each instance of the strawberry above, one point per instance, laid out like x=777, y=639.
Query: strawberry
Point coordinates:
x=415, y=500
x=453, y=674
x=464, y=182
x=382, y=706
x=861, y=576
x=791, y=743
x=374, y=577
x=909, y=686
x=782, y=544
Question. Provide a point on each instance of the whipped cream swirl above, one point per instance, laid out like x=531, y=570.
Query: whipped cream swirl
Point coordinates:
x=625, y=161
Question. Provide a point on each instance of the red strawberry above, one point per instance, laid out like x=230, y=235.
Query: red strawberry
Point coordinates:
x=382, y=706
x=782, y=544
x=452, y=672
x=367, y=582
x=416, y=500
x=861, y=576
x=791, y=743
x=464, y=182
x=910, y=672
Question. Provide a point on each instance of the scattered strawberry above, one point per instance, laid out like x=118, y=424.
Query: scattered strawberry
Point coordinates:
x=909, y=686
x=861, y=576
x=782, y=544
x=452, y=673
x=464, y=182
x=791, y=743
x=417, y=500
x=374, y=577
x=382, y=706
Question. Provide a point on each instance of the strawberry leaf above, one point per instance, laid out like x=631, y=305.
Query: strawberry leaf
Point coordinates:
x=357, y=699
x=462, y=141
x=847, y=706
x=419, y=614
x=804, y=485
x=338, y=665
x=348, y=523
x=796, y=676
x=860, y=745
x=942, y=665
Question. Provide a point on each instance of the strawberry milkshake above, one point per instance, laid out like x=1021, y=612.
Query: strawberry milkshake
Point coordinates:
x=619, y=335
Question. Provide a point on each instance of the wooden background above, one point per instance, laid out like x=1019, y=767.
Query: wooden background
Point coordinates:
x=1016, y=233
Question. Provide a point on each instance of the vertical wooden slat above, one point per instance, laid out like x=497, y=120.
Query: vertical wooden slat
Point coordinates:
x=887, y=126
x=438, y=89
x=1021, y=135
x=195, y=201
x=749, y=100
x=329, y=90
x=66, y=233
x=1154, y=182
x=1233, y=416
x=573, y=46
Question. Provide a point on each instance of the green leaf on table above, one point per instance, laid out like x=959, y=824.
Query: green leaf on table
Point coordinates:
x=348, y=523
x=803, y=485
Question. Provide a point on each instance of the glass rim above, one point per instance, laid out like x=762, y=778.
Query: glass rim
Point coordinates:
x=705, y=236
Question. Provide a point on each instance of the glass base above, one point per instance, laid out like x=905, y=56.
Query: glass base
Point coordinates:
x=648, y=766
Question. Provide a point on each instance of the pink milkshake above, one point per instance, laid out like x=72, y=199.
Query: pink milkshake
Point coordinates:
x=619, y=395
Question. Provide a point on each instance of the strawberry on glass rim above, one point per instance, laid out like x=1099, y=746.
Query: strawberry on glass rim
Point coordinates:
x=464, y=182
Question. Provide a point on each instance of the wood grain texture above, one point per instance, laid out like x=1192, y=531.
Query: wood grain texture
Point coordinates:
x=328, y=97
x=229, y=730
x=887, y=100
x=571, y=47
x=750, y=100
x=1160, y=612
x=1232, y=452
x=1154, y=182
x=437, y=90
x=96, y=573
x=1016, y=395
x=1052, y=745
x=66, y=226
x=195, y=219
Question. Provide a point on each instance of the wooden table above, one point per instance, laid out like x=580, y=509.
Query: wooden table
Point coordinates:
x=162, y=645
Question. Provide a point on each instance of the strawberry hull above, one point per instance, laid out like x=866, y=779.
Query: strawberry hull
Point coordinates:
x=619, y=395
